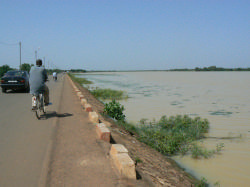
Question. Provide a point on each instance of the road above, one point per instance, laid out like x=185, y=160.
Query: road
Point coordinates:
x=25, y=141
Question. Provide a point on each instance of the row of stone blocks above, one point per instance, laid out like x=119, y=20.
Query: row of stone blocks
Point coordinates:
x=119, y=154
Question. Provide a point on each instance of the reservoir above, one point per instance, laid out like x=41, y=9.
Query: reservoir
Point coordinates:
x=221, y=97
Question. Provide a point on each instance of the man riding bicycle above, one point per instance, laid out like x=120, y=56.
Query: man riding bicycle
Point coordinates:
x=55, y=76
x=38, y=77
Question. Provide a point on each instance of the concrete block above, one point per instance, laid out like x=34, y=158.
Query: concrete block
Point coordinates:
x=79, y=93
x=93, y=116
x=122, y=161
x=103, y=132
x=83, y=102
x=117, y=149
x=125, y=166
x=88, y=108
x=81, y=96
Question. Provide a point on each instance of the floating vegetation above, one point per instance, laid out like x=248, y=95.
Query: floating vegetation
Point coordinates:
x=220, y=112
x=106, y=94
x=193, y=114
x=181, y=106
x=177, y=94
x=175, y=103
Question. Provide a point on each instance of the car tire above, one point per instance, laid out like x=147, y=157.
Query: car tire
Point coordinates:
x=27, y=89
x=4, y=90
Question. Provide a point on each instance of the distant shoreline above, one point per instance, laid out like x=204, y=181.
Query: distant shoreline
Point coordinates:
x=210, y=68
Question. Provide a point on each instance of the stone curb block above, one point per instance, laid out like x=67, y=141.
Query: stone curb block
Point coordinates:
x=84, y=102
x=81, y=96
x=93, y=116
x=117, y=149
x=88, y=108
x=103, y=132
x=78, y=93
x=122, y=161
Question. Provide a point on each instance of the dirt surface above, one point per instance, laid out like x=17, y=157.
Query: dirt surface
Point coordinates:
x=159, y=169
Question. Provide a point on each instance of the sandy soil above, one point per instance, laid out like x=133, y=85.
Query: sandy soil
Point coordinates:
x=162, y=170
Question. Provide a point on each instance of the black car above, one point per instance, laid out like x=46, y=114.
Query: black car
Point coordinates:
x=15, y=80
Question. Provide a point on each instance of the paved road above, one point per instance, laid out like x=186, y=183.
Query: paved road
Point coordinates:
x=24, y=140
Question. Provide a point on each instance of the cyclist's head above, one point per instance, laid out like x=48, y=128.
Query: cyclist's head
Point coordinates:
x=39, y=62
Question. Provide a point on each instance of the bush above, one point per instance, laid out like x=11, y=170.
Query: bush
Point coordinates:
x=115, y=110
x=4, y=69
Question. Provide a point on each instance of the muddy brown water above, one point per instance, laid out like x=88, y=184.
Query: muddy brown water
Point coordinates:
x=221, y=97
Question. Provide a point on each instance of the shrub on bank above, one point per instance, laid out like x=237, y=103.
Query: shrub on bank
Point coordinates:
x=173, y=135
x=115, y=110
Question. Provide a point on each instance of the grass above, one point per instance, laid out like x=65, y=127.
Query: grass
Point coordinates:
x=173, y=135
x=102, y=94
x=81, y=81
x=109, y=94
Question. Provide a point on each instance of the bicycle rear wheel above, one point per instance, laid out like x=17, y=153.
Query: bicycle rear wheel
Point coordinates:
x=43, y=106
x=38, y=110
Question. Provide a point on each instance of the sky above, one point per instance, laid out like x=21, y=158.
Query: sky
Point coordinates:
x=126, y=34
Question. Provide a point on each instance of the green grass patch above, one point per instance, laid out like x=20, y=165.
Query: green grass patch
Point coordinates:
x=173, y=135
x=79, y=80
x=109, y=94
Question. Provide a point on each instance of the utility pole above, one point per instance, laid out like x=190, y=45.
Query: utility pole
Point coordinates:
x=20, y=44
x=44, y=62
x=36, y=54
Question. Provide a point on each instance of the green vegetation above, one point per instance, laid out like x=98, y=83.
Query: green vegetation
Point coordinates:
x=79, y=80
x=173, y=135
x=115, y=110
x=105, y=94
x=202, y=183
x=78, y=71
x=26, y=67
x=220, y=112
x=212, y=68
x=4, y=69
x=102, y=94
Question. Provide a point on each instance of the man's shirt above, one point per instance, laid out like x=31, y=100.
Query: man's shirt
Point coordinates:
x=38, y=76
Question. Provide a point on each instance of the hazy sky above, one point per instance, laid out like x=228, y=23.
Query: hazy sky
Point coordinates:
x=126, y=34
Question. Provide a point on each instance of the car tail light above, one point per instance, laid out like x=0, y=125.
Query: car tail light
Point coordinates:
x=2, y=81
x=22, y=81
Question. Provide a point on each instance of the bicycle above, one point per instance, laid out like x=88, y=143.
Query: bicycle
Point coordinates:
x=38, y=102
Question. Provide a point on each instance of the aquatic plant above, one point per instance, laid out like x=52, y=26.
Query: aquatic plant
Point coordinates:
x=173, y=135
x=220, y=112
x=105, y=94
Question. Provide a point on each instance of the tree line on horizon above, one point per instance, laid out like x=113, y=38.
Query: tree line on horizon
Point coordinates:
x=212, y=68
x=27, y=67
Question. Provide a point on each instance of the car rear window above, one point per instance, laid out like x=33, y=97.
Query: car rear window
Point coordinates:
x=15, y=73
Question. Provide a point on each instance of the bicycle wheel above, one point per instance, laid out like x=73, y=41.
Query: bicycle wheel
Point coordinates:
x=38, y=110
x=43, y=105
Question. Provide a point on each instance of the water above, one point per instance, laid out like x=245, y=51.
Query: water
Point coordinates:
x=221, y=97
